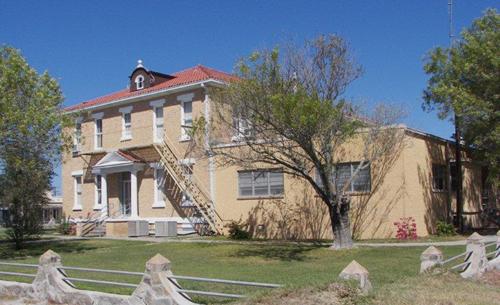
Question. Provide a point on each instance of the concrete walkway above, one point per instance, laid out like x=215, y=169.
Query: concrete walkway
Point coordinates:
x=196, y=239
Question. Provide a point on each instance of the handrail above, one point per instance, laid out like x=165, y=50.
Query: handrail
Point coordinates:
x=75, y=279
x=199, y=184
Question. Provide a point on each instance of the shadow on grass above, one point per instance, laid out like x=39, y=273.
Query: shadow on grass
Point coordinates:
x=37, y=248
x=283, y=253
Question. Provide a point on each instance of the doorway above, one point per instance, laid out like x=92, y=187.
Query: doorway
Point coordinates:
x=125, y=194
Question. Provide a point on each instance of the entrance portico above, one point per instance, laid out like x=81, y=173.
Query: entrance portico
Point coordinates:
x=120, y=162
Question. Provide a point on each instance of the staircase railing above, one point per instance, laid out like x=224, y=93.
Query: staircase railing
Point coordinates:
x=189, y=184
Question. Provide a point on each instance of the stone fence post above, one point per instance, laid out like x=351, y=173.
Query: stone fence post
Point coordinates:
x=431, y=257
x=477, y=259
x=156, y=288
x=354, y=271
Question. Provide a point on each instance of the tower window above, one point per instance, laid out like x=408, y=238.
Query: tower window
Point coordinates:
x=139, y=82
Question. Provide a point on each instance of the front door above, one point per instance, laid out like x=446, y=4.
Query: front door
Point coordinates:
x=125, y=194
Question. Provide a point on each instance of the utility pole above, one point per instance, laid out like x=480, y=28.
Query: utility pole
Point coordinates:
x=458, y=139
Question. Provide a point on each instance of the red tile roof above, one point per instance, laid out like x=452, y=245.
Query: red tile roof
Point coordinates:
x=128, y=156
x=184, y=77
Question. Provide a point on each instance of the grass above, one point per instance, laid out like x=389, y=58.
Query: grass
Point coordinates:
x=296, y=266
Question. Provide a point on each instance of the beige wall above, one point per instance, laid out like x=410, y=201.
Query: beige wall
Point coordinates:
x=142, y=135
x=401, y=183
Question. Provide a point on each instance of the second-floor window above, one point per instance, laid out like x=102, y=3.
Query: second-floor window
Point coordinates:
x=260, y=183
x=158, y=124
x=439, y=177
x=77, y=136
x=187, y=119
x=126, y=122
x=242, y=128
x=98, y=133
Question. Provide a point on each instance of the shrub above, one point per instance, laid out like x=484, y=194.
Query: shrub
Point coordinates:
x=406, y=228
x=444, y=229
x=236, y=231
x=66, y=227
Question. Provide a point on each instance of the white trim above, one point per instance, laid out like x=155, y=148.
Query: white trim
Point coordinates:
x=187, y=161
x=98, y=115
x=77, y=173
x=137, y=98
x=157, y=103
x=186, y=97
x=127, y=109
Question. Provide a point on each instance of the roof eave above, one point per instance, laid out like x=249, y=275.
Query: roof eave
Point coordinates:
x=150, y=95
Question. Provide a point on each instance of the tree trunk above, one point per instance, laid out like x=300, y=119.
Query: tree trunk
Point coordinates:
x=341, y=226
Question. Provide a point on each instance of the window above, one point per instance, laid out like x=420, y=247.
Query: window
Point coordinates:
x=98, y=191
x=78, y=193
x=187, y=119
x=260, y=183
x=158, y=124
x=77, y=137
x=126, y=123
x=439, y=177
x=242, y=128
x=343, y=173
x=453, y=176
x=139, y=82
x=98, y=133
x=159, y=175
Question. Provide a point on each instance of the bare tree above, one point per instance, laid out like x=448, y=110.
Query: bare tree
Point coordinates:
x=287, y=110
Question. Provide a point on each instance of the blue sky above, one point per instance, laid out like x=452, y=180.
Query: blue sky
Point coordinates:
x=92, y=46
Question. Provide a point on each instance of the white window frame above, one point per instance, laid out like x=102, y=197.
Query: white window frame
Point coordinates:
x=98, y=190
x=77, y=204
x=157, y=105
x=126, y=135
x=139, y=79
x=185, y=98
x=241, y=131
x=77, y=136
x=157, y=203
x=98, y=117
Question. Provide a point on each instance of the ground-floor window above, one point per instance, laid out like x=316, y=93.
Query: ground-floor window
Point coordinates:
x=260, y=183
x=98, y=190
x=344, y=173
x=78, y=192
x=159, y=181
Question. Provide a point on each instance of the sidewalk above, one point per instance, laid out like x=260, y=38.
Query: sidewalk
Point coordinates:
x=197, y=239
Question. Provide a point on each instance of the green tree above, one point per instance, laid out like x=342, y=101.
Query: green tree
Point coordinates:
x=31, y=141
x=465, y=81
x=286, y=110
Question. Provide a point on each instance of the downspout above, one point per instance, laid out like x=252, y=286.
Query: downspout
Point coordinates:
x=208, y=150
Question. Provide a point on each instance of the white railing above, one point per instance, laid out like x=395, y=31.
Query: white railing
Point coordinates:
x=171, y=278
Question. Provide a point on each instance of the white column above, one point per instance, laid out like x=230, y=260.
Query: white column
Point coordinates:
x=104, y=195
x=133, y=194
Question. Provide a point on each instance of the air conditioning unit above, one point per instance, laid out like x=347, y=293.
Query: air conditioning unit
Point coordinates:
x=166, y=228
x=138, y=228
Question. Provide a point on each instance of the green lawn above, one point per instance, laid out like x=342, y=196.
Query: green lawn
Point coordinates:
x=292, y=265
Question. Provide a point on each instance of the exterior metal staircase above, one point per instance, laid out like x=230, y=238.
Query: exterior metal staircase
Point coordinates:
x=201, y=213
